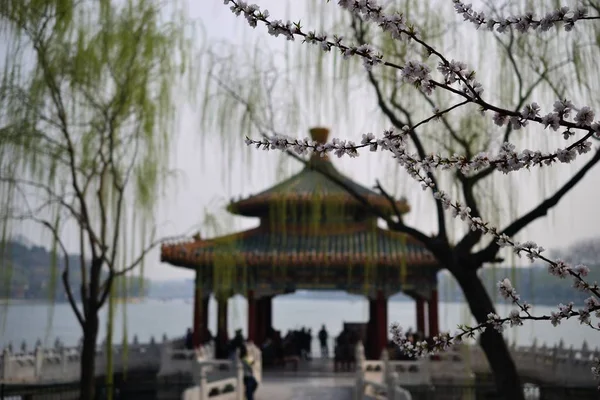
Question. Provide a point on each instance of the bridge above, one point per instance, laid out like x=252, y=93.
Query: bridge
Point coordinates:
x=221, y=379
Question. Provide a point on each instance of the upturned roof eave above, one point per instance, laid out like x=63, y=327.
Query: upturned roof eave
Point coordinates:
x=287, y=191
x=177, y=254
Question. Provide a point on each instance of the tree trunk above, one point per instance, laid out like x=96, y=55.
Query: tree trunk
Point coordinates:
x=508, y=382
x=87, y=383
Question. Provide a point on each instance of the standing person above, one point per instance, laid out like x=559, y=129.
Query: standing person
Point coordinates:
x=250, y=383
x=236, y=343
x=189, y=339
x=323, y=336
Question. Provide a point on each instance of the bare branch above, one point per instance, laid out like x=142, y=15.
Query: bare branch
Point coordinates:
x=489, y=253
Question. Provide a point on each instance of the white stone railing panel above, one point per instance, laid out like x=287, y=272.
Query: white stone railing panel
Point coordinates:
x=377, y=378
x=62, y=364
x=557, y=365
x=228, y=386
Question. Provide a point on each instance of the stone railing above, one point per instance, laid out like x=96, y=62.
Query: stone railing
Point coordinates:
x=557, y=365
x=175, y=360
x=377, y=378
x=62, y=364
x=223, y=379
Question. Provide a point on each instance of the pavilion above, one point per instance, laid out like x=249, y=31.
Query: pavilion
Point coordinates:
x=312, y=235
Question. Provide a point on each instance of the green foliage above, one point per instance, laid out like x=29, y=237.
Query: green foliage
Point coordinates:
x=88, y=112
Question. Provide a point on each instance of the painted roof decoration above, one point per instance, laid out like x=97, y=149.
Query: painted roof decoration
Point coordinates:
x=310, y=185
x=341, y=245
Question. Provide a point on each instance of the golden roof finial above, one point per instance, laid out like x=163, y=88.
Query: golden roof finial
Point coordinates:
x=319, y=134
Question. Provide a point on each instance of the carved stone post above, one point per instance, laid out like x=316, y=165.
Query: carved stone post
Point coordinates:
x=39, y=361
x=393, y=387
x=6, y=364
x=385, y=357
x=239, y=368
x=64, y=359
x=202, y=381
x=359, y=389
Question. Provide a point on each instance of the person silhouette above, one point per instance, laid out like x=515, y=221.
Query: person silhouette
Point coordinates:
x=189, y=339
x=323, y=336
x=250, y=382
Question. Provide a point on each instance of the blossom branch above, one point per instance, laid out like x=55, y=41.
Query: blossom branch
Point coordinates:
x=507, y=160
x=516, y=317
x=524, y=23
x=419, y=74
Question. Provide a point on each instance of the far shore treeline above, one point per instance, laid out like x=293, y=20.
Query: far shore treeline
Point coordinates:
x=27, y=273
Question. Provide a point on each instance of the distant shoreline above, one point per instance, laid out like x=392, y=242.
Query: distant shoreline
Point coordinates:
x=351, y=298
x=5, y=301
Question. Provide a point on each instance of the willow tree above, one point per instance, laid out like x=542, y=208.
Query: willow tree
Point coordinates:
x=523, y=68
x=88, y=115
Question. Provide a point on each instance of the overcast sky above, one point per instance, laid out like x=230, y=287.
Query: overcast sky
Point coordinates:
x=204, y=185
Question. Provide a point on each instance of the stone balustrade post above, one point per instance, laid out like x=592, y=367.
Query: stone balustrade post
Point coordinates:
x=239, y=369
x=393, y=386
x=64, y=360
x=202, y=382
x=360, y=353
x=39, y=361
x=585, y=350
x=385, y=357
x=6, y=364
x=556, y=358
x=165, y=356
x=359, y=390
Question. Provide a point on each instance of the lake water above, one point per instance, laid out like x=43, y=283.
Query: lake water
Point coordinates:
x=30, y=322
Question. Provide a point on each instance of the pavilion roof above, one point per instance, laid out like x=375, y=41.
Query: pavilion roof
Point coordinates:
x=310, y=185
x=302, y=246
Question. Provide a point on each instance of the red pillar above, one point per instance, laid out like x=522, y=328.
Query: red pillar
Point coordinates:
x=370, y=345
x=251, y=316
x=420, y=304
x=269, y=313
x=260, y=321
x=204, y=328
x=433, y=314
x=382, y=327
x=222, y=332
x=198, y=312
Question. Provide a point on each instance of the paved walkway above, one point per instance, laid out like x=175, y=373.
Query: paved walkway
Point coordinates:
x=302, y=388
x=314, y=379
